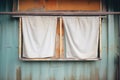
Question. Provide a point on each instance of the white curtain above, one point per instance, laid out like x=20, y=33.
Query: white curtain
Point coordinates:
x=39, y=36
x=81, y=37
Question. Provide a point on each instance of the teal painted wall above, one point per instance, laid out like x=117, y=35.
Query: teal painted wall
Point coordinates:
x=11, y=68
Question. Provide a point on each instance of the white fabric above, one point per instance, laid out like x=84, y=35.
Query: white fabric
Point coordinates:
x=39, y=36
x=81, y=37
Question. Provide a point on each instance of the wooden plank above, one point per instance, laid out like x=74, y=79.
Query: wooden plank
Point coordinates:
x=57, y=43
x=20, y=38
x=31, y=5
x=61, y=39
x=100, y=37
x=79, y=5
x=48, y=59
x=60, y=13
x=50, y=5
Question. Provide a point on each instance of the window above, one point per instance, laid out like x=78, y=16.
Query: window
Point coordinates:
x=66, y=38
x=62, y=47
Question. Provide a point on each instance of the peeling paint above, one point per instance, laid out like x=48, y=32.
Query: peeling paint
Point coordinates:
x=18, y=73
x=11, y=68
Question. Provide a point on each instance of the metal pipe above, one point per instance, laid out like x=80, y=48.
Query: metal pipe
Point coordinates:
x=60, y=13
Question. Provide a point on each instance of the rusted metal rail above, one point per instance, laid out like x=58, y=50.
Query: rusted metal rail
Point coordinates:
x=60, y=13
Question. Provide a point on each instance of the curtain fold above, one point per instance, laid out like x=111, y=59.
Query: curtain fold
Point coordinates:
x=81, y=37
x=39, y=36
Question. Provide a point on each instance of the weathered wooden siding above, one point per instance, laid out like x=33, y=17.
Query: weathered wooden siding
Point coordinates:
x=47, y=5
x=11, y=68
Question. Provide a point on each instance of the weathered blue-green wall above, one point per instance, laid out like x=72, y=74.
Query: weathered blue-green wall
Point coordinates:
x=11, y=68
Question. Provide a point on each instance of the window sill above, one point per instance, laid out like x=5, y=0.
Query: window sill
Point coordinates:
x=49, y=59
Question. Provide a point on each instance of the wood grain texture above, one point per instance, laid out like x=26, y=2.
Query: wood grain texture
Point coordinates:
x=51, y=5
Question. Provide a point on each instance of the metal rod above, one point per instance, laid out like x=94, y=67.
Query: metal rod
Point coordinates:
x=60, y=13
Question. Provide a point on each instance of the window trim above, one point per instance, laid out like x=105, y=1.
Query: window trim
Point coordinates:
x=16, y=8
x=59, y=59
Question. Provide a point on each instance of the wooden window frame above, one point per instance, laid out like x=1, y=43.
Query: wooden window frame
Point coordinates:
x=61, y=44
x=16, y=8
